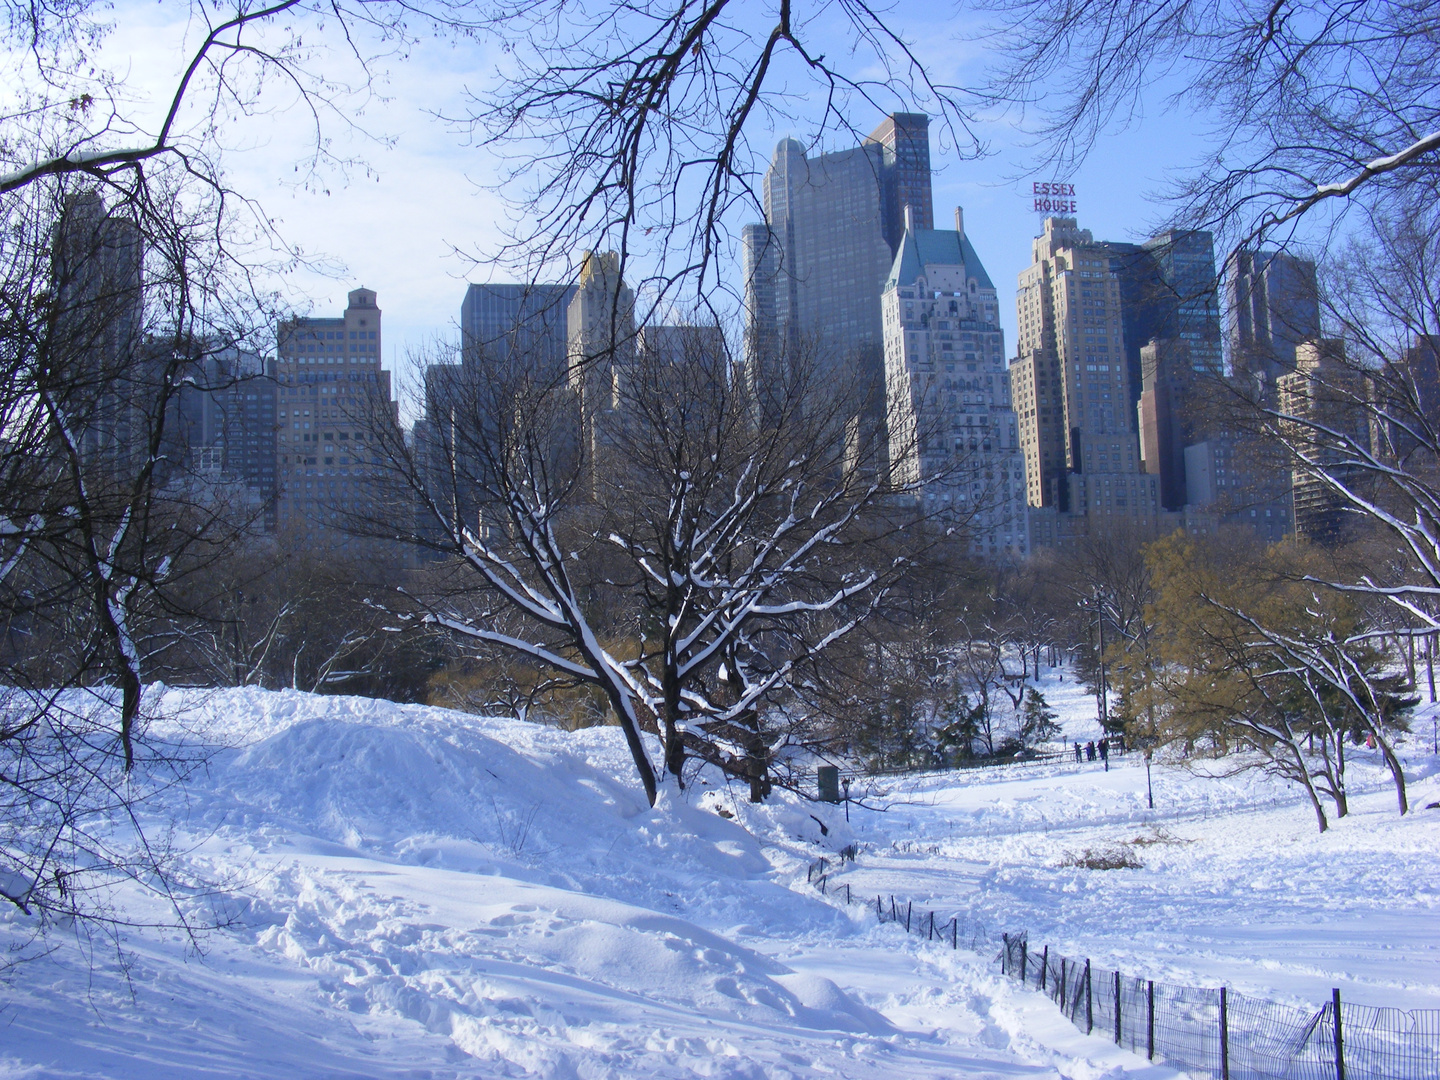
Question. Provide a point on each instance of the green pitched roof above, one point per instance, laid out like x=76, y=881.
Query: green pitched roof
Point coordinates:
x=936, y=247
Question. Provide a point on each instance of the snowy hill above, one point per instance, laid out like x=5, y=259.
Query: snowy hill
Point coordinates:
x=414, y=892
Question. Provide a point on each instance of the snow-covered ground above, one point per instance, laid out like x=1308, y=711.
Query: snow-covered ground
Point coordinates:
x=418, y=893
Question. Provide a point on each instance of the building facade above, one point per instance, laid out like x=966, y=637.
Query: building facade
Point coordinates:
x=331, y=394
x=517, y=323
x=1272, y=304
x=1320, y=396
x=815, y=270
x=950, y=425
x=98, y=333
x=1072, y=391
x=228, y=425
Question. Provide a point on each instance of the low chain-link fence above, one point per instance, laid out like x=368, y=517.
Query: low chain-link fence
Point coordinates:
x=1216, y=1033
x=953, y=930
x=1227, y=1035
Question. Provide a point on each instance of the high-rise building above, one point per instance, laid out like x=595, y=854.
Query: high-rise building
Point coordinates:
x=1168, y=299
x=600, y=336
x=815, y=269
x=1326, y=397
x=227, y=424
x=903, y=140
x=1072, y=392
x=1185, y=297
x=1165, y=391
x=510, y=323
x=1271, y=305
x=1406, y=405
x=948, y=415
x=1234, y=478
x=98, y=334
x=332, y=392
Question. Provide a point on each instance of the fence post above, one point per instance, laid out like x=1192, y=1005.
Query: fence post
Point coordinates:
x=1090, y=1003
x=1063, y=982
x=893, y=916
x=879, y=911
x=847, y=892
x=1117, y=1006
x=955, y=932
x=1339, y=1039
x=1024, y=960
x=1044, y=967
x=909, y=910
x=1150, y=1020
x=1224, y=1038
x=1005, y=955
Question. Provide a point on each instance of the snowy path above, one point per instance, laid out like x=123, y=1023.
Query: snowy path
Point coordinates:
x=1238, y=885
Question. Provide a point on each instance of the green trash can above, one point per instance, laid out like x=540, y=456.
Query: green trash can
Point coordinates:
x=829, y=783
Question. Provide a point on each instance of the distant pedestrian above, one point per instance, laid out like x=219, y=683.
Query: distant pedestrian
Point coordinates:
x=1090, y=751
x=1105, y=753
x=1077, y=751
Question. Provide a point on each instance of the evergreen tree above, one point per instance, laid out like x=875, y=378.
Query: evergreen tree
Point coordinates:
x=1037, y=720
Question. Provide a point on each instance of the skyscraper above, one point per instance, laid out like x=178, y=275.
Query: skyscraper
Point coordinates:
x=332, y=392
x=1166, y=390
x=227, y=424
x=1072, y=391
x=903, y=140
x=1271, y=305
x=98, y=334
x=516, y=322
x=600, y=341
x=1324, y=395
x=1171, y=327
x=948, y=411
x=815, y=269
x=1185, y=300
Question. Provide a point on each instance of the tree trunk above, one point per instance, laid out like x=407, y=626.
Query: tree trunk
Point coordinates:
x=757, y=764
x=130, y=710
x=1397, y=772
x=630, y=725
x=1304, y=773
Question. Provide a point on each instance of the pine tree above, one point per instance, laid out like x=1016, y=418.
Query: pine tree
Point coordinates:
x=1037, y=720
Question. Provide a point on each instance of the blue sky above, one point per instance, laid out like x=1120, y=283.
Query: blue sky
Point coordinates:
x=395, y=222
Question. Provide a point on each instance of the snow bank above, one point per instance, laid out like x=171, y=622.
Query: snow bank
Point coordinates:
x=414, y=892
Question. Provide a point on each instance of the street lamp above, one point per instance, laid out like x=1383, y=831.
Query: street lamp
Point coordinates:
x=1102, y=697
x=1147, y=743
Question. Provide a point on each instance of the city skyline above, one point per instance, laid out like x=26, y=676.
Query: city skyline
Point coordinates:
x=425, y=195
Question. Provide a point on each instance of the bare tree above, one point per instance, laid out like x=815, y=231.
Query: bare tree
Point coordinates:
x=676, y=549
x=629, y=125
x=125, y=264
x=108, y=311
x=1314, y=105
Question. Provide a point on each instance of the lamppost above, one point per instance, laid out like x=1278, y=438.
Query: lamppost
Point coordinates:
x=1102, y=697
x=1147, y=743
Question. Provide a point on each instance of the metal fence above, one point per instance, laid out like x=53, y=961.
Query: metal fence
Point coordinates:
x=1227, y=1035
x=956, y=930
